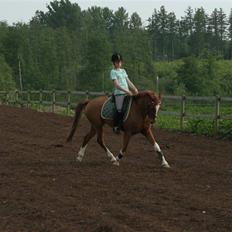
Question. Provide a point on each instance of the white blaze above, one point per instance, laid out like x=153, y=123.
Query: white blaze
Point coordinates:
x=157, y=107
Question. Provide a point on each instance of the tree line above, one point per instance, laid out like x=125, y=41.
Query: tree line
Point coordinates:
x=70, y=48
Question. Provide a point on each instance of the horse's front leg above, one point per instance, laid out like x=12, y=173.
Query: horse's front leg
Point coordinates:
x=126, y=140
x=100, y=140
x=149, y=135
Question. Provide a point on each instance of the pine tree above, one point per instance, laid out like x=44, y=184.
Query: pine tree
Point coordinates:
x=172, y=34
x=163, y=22
x=121, y=19
x=199, y=35
x=212, y=31
x=189, y=20
x=230, y=34
x=135, y=21
x=222, y=20
x=153, y=30
x=61, y=13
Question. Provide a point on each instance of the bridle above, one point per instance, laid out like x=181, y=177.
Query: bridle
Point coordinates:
x=150, y=104
x=153, y=108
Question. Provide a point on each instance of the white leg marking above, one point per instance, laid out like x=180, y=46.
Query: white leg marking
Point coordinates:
x=164, y=162
x=112, y=158
x=157, y=147
x=81, y=153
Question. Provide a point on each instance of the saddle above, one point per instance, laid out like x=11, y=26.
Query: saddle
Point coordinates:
x=109, y=109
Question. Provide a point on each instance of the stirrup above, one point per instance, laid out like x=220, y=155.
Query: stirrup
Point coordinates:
x=116, y=130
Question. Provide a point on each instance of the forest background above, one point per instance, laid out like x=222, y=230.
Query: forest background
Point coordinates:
x=67, y=48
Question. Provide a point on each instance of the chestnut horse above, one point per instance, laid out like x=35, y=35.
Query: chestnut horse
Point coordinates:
x=144, y=108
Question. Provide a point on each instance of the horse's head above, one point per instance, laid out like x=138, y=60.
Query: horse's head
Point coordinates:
x=154, y=103
x=150, y=104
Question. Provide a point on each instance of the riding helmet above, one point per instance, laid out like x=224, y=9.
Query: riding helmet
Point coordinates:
x=116, y=57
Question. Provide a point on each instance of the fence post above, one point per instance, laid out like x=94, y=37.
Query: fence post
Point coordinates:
x=182, y=113
x=53, y=100
x=157, y=84
x=40, y=99
x=69, y=102
x=7, y=97
x=16, y=97
x=87, y=94
x=28, y=98
x=217, y=114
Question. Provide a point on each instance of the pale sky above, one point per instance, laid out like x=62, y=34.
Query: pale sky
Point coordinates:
x=14, y=11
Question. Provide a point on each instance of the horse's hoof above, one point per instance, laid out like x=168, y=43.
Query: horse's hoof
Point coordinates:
x=79, y=159
x=116, y=163
x=165, y=165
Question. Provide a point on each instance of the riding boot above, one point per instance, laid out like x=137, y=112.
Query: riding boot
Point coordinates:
x=118, y=121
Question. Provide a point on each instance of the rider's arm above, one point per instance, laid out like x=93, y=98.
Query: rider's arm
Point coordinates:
x=116, y=85
x=131, y=85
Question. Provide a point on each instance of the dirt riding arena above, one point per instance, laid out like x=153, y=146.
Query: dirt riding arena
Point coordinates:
x=42, y=188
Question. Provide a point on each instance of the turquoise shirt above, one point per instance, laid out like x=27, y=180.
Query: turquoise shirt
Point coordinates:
x=120, y=75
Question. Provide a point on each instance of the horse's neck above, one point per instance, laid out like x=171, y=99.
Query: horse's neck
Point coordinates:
x=142, y=106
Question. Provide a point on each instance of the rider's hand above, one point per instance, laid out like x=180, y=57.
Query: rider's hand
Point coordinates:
x=136, y=91
x=129, y=93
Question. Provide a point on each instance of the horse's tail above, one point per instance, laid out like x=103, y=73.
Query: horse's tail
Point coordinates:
x=80, y=107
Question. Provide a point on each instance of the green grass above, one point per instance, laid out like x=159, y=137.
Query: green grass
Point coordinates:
x=196, y=124
x=168, y=122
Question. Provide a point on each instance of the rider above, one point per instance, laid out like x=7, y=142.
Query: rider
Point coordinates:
x=121, y=84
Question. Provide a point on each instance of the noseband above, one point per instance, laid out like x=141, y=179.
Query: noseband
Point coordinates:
x=153, y=103
x=152, y=111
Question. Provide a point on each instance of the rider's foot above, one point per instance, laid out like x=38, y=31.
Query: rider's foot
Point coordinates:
x=116, y=130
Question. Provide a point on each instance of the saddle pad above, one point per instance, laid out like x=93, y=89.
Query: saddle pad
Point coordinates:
x=108, y=109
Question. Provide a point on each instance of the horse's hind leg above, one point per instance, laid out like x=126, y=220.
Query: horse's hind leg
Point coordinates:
x=100, y=140
x=87, y=138
x=149, y=135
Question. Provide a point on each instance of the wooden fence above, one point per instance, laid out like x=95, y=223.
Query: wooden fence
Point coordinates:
x=51, y=100
x=215, y=114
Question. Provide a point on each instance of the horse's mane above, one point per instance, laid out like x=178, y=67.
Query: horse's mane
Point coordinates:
x=148, y=93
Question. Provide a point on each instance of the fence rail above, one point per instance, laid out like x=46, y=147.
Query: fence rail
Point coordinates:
x=68, y=99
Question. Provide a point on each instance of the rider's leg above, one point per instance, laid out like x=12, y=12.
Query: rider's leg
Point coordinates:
x=118, y=118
